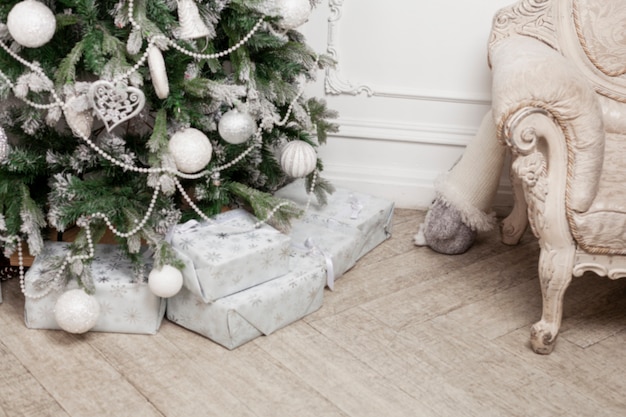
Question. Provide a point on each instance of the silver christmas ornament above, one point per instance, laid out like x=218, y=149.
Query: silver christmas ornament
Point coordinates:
x=165, y=282
x=31, y=23
x=156, y=63
x=4, y=146
x=298, y=159
x=115, y=103
x=191, y=150
x=81, y=122
x=191, y=24
x=235, y=127
x=76, y=311
x=294, y=13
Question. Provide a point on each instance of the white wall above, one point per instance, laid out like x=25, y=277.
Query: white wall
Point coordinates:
x=411, y=86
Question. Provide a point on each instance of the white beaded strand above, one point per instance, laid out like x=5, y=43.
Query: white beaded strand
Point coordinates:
x=195, y=55
x=271, y=214
x=221, y=54
x=310, y=191
x=290, y=109
x=139, y=226
x=66, y=261
x=35, y=68
x=189, y=201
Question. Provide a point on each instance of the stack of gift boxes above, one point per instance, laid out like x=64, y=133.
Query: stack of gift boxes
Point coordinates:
x=242, y=279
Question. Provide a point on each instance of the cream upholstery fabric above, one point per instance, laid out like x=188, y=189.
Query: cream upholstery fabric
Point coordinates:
x=603, y=34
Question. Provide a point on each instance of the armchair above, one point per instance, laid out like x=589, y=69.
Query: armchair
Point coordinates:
x=559, y=104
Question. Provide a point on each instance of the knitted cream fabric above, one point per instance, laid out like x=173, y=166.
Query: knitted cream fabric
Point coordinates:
x=470, y=186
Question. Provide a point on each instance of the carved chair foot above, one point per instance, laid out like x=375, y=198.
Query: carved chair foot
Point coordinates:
x=512, y=230
x=543, y=337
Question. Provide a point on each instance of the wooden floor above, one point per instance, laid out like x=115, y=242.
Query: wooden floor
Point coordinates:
x=407, y=332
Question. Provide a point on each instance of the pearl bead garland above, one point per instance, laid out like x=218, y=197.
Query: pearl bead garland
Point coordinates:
x=68, y=259
x=310, y=192
x=195, y=55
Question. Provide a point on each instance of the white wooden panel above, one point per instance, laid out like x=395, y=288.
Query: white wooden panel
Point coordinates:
x=411, y=86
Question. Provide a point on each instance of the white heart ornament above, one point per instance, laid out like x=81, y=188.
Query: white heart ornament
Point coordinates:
x=115, y=103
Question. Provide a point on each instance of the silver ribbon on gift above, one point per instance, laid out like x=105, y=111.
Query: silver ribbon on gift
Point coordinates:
x=309, y=243
x=356, y=206
x=180, y=229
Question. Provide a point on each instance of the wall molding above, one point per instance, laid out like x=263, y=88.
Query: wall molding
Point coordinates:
x=417, y=133
x=336, y=84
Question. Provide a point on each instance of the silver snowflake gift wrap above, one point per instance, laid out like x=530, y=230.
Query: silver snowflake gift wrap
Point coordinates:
x=229, y=254
x=126, y=303
x=338, y=244
x=261, y=310
x=371, y=215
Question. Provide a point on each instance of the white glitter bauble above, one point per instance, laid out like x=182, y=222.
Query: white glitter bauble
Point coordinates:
x=191, y=150
x=76, y=311
x=294, y=13
x=236, y=127
x=165, y=282
x=298, y=159
x=31, y=23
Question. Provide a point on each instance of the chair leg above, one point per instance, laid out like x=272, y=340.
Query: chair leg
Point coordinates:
x=515, y=224
x=555, y=275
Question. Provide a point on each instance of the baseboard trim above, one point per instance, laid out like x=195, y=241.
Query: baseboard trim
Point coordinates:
x=410, y=189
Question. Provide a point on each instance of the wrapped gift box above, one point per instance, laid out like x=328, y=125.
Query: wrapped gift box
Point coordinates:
x=337, y=243
x=261, y=310
x=126, y=303
x=229, y=254
x=372, y=216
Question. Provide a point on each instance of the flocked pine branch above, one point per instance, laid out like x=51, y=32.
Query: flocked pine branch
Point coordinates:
x=279, y=211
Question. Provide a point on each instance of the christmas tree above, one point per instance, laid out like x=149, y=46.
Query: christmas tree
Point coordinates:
x=136, y=115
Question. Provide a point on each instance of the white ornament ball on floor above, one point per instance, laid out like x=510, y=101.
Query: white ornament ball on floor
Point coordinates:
x=31, y=23
x=298, y=159
x=76, y=311
x=236, y=127
x=165, y=282
x=294, y=13
x=191, y=150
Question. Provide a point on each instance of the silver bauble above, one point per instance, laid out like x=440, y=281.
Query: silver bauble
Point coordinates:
x=76, y=311
x=31, y=23
x=294, y=13
x=236, y=127
x=191, y=150
x=298, y=159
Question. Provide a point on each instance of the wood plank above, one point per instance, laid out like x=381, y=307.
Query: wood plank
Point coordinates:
x=20, y=392
x=602, y=315
x=597, y=371
x=75, y=375
x=439, y=291
x=399, y=360
x=461, y=376
x=261, y=383
x=177, y=382
x=332, y=370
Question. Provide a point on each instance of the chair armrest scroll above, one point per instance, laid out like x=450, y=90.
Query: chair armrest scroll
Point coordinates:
x=530, y=77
